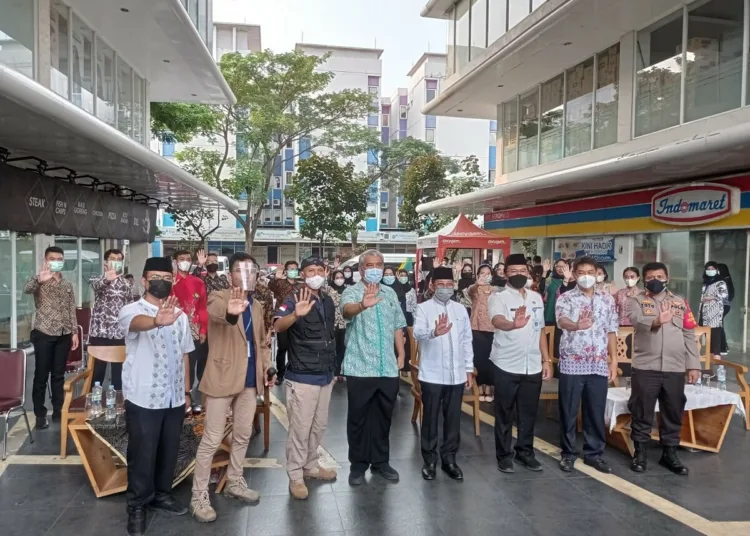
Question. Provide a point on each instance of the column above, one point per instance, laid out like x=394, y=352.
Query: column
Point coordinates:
x=139, y=252
x=43, y=61
x=626, y=88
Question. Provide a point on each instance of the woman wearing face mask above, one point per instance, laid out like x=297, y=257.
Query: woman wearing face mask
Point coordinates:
x=112, y=292
x=467, y=280
x=602, y=280
x=411, y=296
x=560, y=276
x=714, y=296
x=727, y=278
x=348, y=277
x=498, y=275
x=631, y=276
x=389, y=279
x=482, y=331
x=337, y=286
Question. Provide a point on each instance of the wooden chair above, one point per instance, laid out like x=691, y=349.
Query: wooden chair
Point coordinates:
x=703, y=340
x=624, y=356
x=473, y=400
x=550, y=389
x=264, y=408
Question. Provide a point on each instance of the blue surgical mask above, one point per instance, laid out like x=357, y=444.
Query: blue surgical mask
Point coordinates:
x=292, y=273
x=56, y=266
x=389, y=279
x=373, y=275
x=403, y=280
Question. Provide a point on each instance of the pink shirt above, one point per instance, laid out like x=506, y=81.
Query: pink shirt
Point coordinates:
x=621, y=302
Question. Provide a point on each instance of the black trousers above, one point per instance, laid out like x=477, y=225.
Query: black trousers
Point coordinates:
x=282, y=345
x=50, y=356
x=515, y=395
x=197, y=362
x=340, y=349
x=591, y=389
x=153, y=444
x=368, y=421
x=100, y=371
x=436, y=400
x=668, y=388
x=481, y=342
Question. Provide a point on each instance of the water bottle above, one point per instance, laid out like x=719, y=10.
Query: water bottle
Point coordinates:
x=111, y=413
x=96, y=399
x=721, y=377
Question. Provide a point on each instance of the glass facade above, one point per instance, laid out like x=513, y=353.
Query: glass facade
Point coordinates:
x=124, y=97
x=83, y=66
x=26, y=255
x=6, y=289
x=730, y=248
x=528, y=130
x=605, y=98
x=510, y=136
x=17, y=35
x=579, y=102
x=59, y=45
x=462, y=34
x=478, y=27
x=553, y=101
x=105, y=83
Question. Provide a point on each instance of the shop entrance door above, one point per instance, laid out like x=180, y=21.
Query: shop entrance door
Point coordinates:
x=730, y=247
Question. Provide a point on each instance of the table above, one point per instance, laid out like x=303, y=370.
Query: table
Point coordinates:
x=704, y=422
x=103, y=445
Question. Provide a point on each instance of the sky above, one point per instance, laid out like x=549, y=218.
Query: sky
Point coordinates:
x=392, y=25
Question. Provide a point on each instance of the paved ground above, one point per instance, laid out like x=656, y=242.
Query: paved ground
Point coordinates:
x=41, y=496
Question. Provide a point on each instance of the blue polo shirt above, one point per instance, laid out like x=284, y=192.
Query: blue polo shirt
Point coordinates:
x=247, y=323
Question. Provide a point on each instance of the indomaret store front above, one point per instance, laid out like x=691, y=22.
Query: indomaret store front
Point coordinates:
x=682, y=226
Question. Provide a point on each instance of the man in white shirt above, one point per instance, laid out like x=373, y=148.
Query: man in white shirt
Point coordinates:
x=155, y=377
x=521, y=361
x=443, y=330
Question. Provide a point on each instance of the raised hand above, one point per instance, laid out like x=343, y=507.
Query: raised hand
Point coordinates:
x=168, y=312
x=109, y=273
x=370, y=298
x=237, y=302
x=585, y=320
x=665, y=312
x=303, y=302
x=567, y=273
x=442, y=327
x=45, y=274
x=201, y=257
x=520, y=319
x=546, y=265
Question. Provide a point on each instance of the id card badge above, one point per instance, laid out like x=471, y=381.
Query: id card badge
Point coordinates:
x=537, y=316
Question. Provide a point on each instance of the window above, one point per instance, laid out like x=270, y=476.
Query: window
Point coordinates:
x=579, y=94
x=429, y=135
x=431, y=91
x=167, y=148
x=430, y=121
x=138, y=108
x=224, y=43
x=478, y=27
x=372, y=120
x=607, y=84
x=277, y=202
x=83, y=66
x=385, y=120
x=462, y=34
x=290, y=144
x=403, y=112
x=450, y=40
x=25, y=268
x=372, y=157
x=384, y=221
x=517, y=11
x=277, y=183
x=105, y=83
x=658, y=73
x=17, y=31
x=373, y=81
x=267, y=219
x=491, y=176
x=552, y=120
x=528, y=130
x=510, y=135
x=373, y=91
x=288, y=179
x=493, y=126
x=125, y=96
x=59, y=47
x=277, y=219
x=498, y=20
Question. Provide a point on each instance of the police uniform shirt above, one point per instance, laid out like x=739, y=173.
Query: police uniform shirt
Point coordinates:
x=671, y=347
x=517, y=351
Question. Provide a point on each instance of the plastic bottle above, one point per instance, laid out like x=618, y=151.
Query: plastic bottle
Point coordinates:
x=110, y=413
x=721, y=377
x=96, y=399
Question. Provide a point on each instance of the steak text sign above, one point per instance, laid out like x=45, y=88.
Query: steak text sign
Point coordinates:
x=696, y=204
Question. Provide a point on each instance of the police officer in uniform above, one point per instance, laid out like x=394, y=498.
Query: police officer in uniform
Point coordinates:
x=309, y=319
x=664, y=349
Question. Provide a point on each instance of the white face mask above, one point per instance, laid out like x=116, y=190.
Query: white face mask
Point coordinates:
x=631, y=282
x=586, y=281
x=711, y=273
x=600, y=279
x=183, y=266
x=338, y=281
x=315, y=282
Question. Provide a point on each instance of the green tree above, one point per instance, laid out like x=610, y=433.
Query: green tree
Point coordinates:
x=180, y=122
x=197, y=225
x=329, y=199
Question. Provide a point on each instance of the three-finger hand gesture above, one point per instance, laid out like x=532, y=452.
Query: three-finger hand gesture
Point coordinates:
x=45, y=274
x=201, y=257
x=237, y=302
x=442, y=327
x=168, y=312
x=370, y=298
x=665, y=312
x=109, y=273
x=303, y=303
x=585, y=320
x=520, y=319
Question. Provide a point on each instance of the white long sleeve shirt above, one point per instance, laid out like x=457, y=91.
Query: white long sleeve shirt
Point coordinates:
x=444, y=360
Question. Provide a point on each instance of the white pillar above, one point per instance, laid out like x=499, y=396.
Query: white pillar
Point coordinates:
x=139, y=252
x=626, y=88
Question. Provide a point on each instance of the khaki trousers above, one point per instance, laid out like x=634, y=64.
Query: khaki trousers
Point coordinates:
x=243, y=407
x=307, y=410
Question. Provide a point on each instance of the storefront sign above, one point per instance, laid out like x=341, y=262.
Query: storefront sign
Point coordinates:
x=600, y=248
x=34, y=204
x=695, y=204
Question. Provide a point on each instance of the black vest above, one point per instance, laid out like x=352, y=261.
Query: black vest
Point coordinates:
x=312, y=340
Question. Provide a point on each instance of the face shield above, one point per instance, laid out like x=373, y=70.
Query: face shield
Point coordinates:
x=248, y=275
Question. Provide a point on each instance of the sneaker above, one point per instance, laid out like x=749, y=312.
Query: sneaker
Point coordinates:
x=482, y=398
x=505, y=465
x=41, y=423
x=567, y=464
x=356, y=479
x=201, y=509
x=386, y=471
x=136, y=522
x=298, y=490
x=528, y=461
x=237, y=489
x=320, y=473
x=490, y=399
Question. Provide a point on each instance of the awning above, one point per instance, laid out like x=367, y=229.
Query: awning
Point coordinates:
x=34, y=121
x=462, y=234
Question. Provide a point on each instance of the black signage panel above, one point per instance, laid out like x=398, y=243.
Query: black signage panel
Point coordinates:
x=34, y=204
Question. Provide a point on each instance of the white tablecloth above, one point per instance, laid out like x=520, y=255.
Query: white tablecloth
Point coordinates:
x=617, y=401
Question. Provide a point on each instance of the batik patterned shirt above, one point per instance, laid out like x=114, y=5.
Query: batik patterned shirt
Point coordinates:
x=111, y=297
x=370, y=336
x=584, y=352
x=55, y=304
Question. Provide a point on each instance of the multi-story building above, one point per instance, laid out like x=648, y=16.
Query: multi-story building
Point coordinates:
x=623, y=130
x=76, y=83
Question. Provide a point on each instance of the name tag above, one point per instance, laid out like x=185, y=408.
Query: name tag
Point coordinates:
x=678, y=309
x=648, y=308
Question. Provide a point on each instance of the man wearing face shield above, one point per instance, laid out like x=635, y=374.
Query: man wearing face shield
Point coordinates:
x=238, y=361
x=113, y=292
x=664, y=350
x=371, y=368
x=309, y=320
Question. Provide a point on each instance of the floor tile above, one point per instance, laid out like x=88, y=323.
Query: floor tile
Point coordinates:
x=27, y=522
x=284, y=516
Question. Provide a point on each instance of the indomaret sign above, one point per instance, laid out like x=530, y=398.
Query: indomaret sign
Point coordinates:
x=695, y=204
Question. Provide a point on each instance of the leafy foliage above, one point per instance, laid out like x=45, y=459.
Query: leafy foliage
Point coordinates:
x=180, y=122
x=197, y=225
x=330, y=200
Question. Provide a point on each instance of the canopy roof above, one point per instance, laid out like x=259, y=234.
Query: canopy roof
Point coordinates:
x=461, y=233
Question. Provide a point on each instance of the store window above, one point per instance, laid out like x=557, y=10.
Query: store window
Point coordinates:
x=462, y=33
x=579, y=83
x=657, y=80
x=478, y=27
x=125, y=97
x=713, y=77
x=607, y=84
x=59, y=43
x=684, y=254
x=91, y=266
x=105, y=83
x=528, y=130
x=83, y=65
x=645, y=249
x=730, y=248
x=26, y=257
x=552, y=120
x=17, y=36
x=510, y=135
x=70, y=271
x=6, y=295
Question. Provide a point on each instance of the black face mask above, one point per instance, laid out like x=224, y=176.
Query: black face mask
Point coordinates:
x=498, y=281
x=518, y=281
x=159, y=288
x=466, y=275
x=212, y=268
x=655, y=286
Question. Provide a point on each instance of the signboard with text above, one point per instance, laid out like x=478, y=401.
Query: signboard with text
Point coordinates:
x=695, y=204
x=600, y=248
